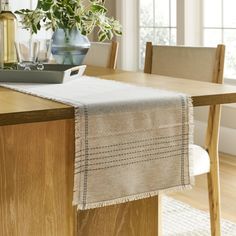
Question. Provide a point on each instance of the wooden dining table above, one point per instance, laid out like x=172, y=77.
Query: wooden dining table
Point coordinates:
x=37, y=163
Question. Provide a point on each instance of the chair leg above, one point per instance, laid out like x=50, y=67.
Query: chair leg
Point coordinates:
x=159, y=211
x=214, y=197
x=212, y=139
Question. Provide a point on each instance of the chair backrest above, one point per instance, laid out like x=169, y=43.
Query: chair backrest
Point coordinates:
x=196, y=63
x=102, y=54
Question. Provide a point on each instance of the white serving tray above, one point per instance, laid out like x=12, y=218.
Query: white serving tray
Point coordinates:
x=52, y=74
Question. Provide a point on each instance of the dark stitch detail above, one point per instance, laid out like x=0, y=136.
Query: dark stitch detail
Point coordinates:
x=130, y=148
x=131, y=158
x=125, y=154
x=183, y=106
x=128, y=164
x=138, y=141
x=188, y=154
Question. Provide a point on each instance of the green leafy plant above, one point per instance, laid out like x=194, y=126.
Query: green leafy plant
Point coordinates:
x=71, y=14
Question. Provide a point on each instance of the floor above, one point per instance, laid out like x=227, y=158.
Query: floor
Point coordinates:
x=198, y=198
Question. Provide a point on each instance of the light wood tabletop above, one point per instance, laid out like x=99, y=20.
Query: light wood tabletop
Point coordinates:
x=37, y=154
x=17, y=108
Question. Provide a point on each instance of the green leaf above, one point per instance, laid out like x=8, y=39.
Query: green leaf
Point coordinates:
x=109, y=35
x=98, y=8
x=69, y=14
x=34, y=28
x=70, y=10
x=77, y=19
x=102, y=36
x=48, y=15
x=38, y=26
x=57, y=14
x=117, y=32
x=83, y=31
x=46, y=6
x=19, y=12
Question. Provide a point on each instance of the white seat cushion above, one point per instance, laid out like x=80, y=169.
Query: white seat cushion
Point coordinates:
x=201, y=160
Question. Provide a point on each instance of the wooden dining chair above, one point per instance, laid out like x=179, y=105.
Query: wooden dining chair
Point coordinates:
x=204, y=64
x=102, y=55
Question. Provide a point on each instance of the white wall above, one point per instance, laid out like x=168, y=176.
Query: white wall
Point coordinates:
x=189, y=14
x=127, y=14
x=111, y=5
x=16, y=4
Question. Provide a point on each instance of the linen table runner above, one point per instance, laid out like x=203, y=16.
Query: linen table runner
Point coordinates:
x=131, y=142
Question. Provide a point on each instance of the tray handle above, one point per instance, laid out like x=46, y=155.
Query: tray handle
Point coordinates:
x=75, y=71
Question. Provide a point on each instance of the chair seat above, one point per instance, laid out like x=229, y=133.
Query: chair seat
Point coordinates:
x=201, y=160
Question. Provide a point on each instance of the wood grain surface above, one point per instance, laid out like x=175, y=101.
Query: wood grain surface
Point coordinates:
x=36, y=179
x=136, y=218
x=114, y=54
x=202, y=93
x=18, y=108
x=211, y=145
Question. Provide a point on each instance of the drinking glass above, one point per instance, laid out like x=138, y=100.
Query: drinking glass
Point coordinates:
x=45, y=50
x=44, y=53
x=27, y=54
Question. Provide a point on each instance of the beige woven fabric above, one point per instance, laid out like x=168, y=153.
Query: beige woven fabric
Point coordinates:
x=184, y=62
x=98, y=54
x=131, y=142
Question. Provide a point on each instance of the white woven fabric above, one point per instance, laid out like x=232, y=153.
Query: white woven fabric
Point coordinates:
x=131, y=142
x=201, y=160
x=180, y=219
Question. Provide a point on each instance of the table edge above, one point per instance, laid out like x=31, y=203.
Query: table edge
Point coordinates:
x=36, y=116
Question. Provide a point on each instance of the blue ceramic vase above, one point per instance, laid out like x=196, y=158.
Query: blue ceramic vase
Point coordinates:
x=69, y=47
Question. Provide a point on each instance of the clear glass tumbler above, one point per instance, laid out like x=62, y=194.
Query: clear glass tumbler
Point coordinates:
x=27, y=54
x=45, y=50
x=44, y=53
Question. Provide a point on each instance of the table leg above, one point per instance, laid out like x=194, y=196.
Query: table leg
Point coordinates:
x=136, y=218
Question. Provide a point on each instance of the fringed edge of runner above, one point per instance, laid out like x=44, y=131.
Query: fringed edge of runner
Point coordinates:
x=128, y=198
x=191, y=135
x=77, y=180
